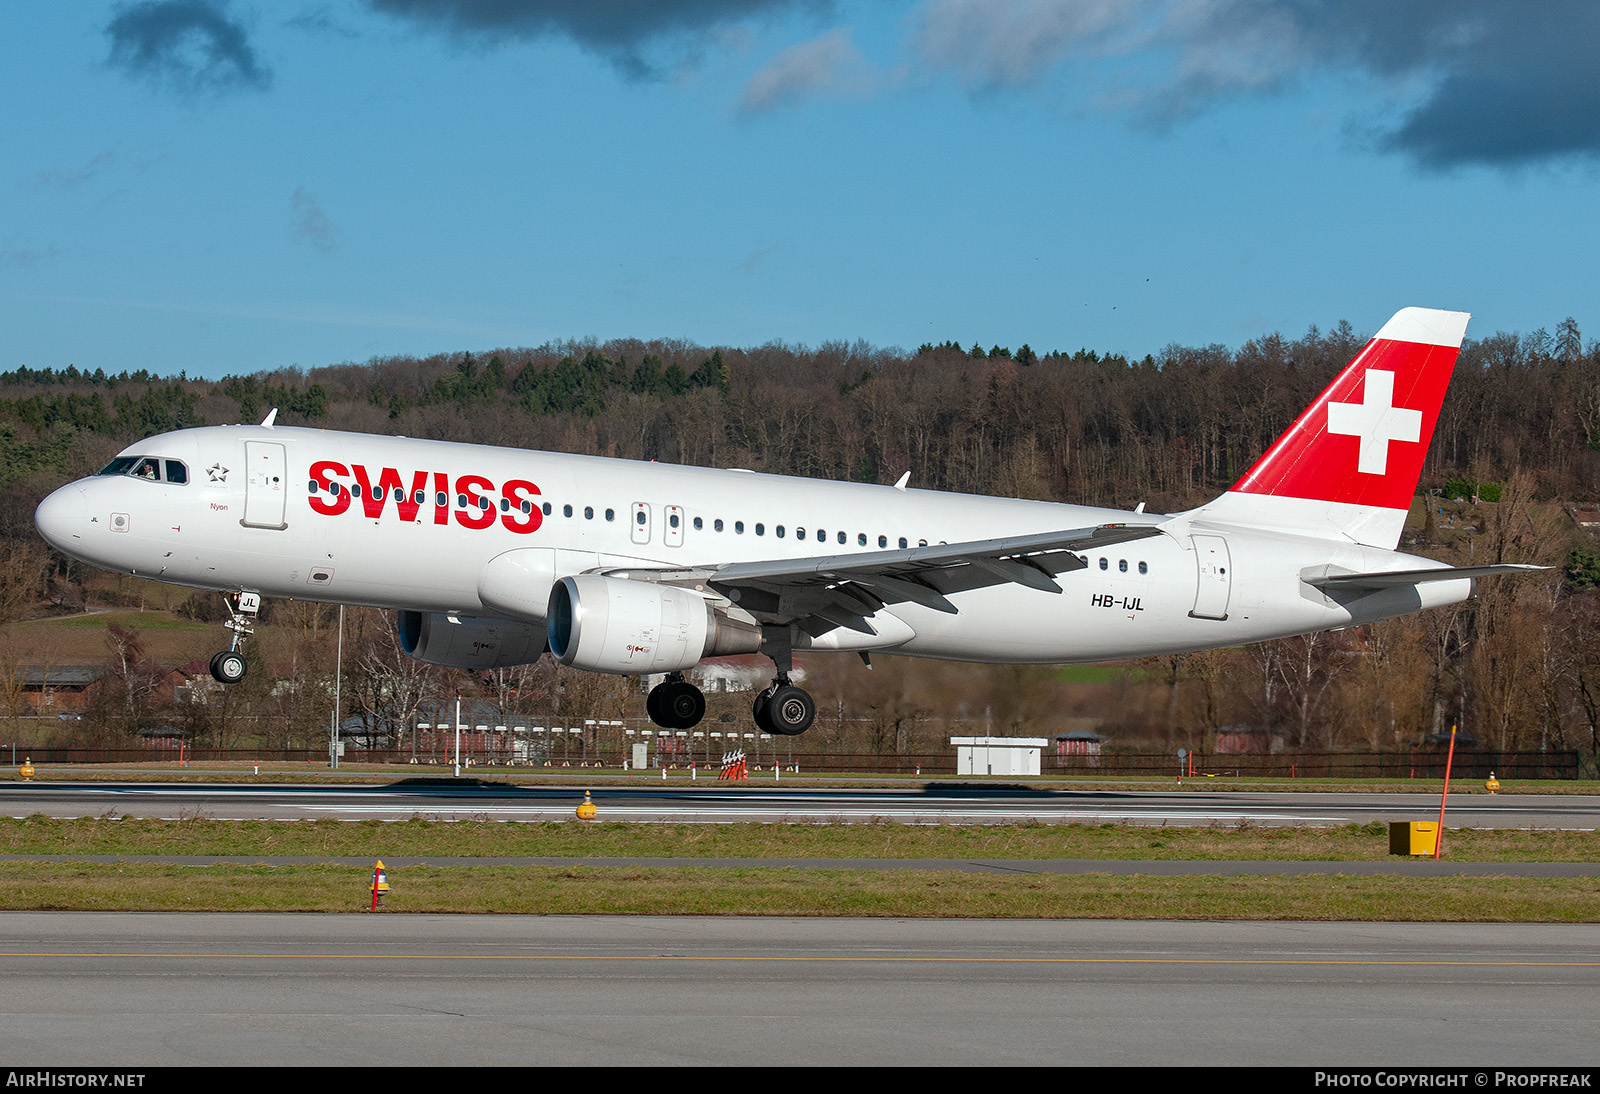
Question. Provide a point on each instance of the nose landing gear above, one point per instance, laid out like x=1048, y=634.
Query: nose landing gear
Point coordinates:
x=229, y=666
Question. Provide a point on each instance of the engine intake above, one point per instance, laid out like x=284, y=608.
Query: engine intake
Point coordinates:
x=608, y=624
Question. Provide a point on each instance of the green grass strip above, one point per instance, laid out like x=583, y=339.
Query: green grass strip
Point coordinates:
x=499, y=839
x=790, y=892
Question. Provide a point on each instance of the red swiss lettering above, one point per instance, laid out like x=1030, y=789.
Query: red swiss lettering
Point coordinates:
x=476, y=488
x=516, y=520
x=373, y=498
x=321, y=474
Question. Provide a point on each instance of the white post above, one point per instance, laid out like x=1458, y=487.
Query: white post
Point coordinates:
x=458, y=734
x=338, y=675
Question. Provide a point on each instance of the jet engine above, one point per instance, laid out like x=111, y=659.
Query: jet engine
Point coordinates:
x=608, y=624
x=468, y=641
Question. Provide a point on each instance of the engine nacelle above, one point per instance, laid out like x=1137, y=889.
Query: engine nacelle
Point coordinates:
x=468, y=641
x=609, y=624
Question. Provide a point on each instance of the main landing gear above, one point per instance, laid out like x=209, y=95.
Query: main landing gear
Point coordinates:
x=783, y=708
x=675, y=703
x=229, y=666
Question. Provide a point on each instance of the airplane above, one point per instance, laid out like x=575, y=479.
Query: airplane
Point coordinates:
x=490, y=556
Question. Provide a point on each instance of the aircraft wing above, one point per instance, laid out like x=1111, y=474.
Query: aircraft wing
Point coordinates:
x=1388, y=578
x=830, y=591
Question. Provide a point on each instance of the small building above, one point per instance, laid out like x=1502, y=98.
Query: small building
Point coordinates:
x=1079, y=748
x=50, y=688
x=719, y=675
x=1245, y=740
x=998, y=755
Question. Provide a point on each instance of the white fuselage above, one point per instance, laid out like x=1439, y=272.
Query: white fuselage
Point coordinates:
x=247, y=518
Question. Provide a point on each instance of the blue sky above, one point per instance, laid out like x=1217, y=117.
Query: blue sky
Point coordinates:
x=220, y=186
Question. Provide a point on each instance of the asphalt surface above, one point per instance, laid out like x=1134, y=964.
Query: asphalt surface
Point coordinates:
x=936, y=804
x=132, y=990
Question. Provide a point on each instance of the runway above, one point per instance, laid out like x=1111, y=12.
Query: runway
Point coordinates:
x=974, y=803
x=130, y=990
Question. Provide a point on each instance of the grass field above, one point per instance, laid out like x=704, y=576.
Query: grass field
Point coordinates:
x=497, y=839
x=587, y=890
x=775, y=890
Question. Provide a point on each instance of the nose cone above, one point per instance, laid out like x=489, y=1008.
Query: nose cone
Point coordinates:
x=62, y=519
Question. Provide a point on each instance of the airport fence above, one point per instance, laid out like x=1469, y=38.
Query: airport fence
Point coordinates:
x=1413, y=764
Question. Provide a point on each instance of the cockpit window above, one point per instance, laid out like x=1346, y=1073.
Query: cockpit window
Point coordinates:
x=119, y=466
x=148, y=468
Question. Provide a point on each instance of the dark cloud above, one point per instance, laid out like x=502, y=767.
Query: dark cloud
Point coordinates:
x=310, y=224
x=320, y=20
x=619, y=30
x=189, y=46
x=1470, y=81
x=1482, y=81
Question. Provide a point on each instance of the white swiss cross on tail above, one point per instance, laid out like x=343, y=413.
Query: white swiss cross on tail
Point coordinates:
x=1377, y=421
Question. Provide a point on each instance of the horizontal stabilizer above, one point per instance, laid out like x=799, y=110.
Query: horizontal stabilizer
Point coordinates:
x=1322, y=579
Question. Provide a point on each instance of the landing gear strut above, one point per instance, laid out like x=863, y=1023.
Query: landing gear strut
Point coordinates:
x=229, y=666
x=783, y=708
x=675, y=703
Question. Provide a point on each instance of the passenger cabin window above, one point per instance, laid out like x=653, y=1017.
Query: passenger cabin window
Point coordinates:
x=611, y=514
x=566, y=510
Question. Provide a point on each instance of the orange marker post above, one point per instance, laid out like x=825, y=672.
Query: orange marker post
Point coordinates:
x=380, y=884
x=1438, y=842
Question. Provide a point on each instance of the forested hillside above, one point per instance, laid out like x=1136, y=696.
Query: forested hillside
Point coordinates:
x=1521, y=425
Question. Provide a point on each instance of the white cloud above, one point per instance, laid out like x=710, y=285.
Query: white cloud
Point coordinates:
x=829, y=65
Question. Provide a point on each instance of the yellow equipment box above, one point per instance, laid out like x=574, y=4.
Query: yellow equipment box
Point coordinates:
x=1413, y=837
